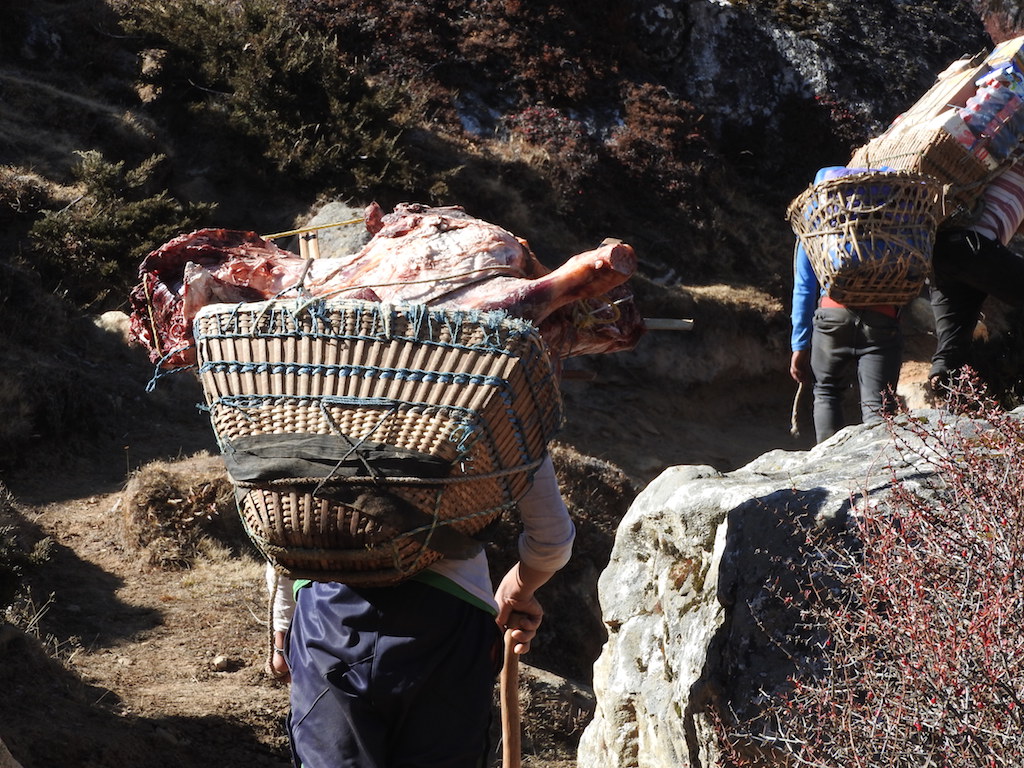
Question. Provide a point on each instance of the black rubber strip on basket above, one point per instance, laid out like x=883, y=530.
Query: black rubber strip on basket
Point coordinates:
x=406, y=519
x=261, y=458
x=401, y=518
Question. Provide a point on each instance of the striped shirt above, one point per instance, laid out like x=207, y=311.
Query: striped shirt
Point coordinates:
x=1002, y=212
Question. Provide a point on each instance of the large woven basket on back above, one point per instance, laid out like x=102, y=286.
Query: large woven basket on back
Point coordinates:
x=869, y=236
x=367, y=441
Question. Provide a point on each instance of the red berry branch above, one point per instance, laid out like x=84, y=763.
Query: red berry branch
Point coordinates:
x=910, y=642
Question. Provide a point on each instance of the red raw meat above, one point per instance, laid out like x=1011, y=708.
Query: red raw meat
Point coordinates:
x=418, y=255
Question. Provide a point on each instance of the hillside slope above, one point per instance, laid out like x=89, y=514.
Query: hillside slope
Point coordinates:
x=617, y=120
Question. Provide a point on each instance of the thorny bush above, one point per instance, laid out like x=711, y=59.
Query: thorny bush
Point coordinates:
x=912, y=652
x=255, y=82
x=91, y=247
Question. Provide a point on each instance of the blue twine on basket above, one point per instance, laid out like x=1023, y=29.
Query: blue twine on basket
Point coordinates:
x=159, y=371
x=494, y=332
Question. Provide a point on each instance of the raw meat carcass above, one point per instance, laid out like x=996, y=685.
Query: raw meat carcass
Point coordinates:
x=441, y=257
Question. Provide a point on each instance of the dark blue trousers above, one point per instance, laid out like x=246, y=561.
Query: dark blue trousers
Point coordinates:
x=390, y=677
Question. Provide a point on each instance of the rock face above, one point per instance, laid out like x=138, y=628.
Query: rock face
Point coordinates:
x=872, y=58
x=696, y=551
x=6, y=761
x=338, y=238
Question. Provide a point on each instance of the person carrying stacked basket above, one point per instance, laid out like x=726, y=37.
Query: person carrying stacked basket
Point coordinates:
x=834, y=345
x=971, y=262
x=403, y=675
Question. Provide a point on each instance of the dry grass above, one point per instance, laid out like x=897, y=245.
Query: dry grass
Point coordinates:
x=175, y=513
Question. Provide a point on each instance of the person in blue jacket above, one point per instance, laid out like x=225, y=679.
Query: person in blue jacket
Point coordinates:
x=834, y=346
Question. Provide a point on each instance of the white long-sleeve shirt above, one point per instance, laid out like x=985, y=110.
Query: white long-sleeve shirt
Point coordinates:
x=545, y=544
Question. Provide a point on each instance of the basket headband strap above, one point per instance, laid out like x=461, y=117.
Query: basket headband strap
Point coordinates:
x=262, y=458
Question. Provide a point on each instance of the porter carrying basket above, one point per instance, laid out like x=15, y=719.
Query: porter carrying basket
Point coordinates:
x=869, y=236
x=367, y=441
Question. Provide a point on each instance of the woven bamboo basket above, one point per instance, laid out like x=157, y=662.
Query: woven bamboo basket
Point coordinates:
x=869, y=236
x=325, y=408
x=935, y=153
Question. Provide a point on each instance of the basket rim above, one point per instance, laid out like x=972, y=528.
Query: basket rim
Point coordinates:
x=909, y=179
x=299, y=305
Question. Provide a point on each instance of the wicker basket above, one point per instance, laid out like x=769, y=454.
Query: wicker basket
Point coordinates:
x=937, y=153
x=869, y=236
x=366, y=440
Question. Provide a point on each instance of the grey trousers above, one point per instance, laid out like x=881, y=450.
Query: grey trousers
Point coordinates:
x=848, y=343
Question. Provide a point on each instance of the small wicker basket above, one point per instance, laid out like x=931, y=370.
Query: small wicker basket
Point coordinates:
x=869, y=236
x=363, y=438
x=937, y=153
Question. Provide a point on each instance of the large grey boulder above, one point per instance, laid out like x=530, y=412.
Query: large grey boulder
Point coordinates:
x=696, y=551
x=6, y=760
x=337, y=237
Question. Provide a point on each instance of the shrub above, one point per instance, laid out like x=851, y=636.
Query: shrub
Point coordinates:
x=911, y=651
x=17, y=554
x=91, y=248
x=662, y=144
x=21, y=193
x=509, y=54
x=169, y=510
x=571, y=155
x=249, y=81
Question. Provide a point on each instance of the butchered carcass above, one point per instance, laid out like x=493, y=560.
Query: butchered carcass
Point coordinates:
x=441, y=257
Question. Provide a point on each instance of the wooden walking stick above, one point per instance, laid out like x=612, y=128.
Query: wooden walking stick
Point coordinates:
x=509, y=691
x=794, y=419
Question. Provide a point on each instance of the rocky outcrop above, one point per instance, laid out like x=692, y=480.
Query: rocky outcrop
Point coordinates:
x=338, y=228
x=870, y=59
x=1003, y=18
x=684, y=595
x=6, y=760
